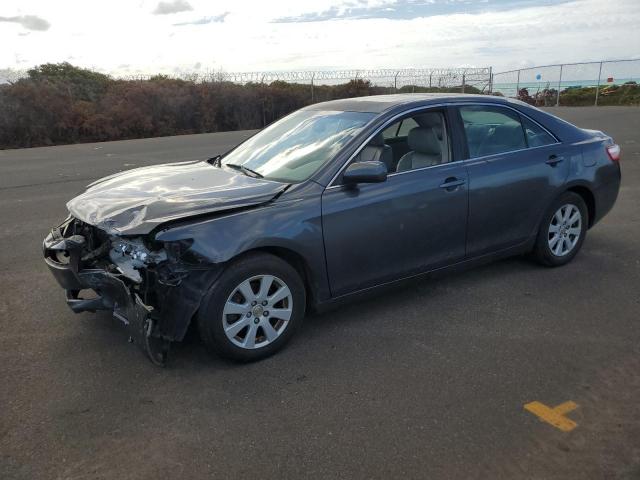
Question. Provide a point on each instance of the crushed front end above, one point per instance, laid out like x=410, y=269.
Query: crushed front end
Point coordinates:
x=155, y=288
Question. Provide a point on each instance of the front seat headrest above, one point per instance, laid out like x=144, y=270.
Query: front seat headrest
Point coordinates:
x=424, y=140
x=377, y=140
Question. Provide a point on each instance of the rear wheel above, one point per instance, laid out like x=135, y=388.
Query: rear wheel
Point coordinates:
x=253, y=309
x=562, y=230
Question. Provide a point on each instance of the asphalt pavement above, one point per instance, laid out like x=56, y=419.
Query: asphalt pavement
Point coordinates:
x=427, y=381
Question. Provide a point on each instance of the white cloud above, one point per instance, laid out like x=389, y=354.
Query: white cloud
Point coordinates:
x=176, y=6
x=241, y=36
x=30, y=22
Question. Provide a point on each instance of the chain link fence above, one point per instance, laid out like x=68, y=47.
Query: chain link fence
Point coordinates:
x=588, y=83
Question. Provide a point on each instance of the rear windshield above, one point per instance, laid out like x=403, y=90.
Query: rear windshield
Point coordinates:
x=295, y=147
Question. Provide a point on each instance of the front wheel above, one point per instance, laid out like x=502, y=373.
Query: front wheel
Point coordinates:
x=253, y=309
x=562, y=231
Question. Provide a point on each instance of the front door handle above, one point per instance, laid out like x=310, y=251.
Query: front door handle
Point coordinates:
x=451, y=184
x=553, y=160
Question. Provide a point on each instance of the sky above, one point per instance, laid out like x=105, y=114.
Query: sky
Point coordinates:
x=128, y=37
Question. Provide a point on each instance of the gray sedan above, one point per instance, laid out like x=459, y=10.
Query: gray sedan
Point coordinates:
x=333, y=200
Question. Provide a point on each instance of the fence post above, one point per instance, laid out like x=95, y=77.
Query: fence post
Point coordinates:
x=312, y=76
x=490, y=80
x=559, y=84
x=463, y=81
x=598, y=85
x=264, y=113
x=518, y=85
x=395, y=81
x=430, y=75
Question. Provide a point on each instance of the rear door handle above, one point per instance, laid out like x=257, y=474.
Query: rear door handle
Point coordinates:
x=451, y=184
x=553, y=160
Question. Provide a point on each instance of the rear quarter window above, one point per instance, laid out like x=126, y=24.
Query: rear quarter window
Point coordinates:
x=536, y=135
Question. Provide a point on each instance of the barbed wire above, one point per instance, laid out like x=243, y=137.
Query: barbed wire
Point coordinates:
x=319, y=75
x=437, y=77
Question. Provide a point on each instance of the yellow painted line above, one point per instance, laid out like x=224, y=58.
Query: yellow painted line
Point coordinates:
x=554, y=416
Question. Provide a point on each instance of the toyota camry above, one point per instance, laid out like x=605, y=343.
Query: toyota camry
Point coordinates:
x=335, y=199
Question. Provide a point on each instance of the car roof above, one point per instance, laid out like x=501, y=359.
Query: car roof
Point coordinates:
x=381, y=103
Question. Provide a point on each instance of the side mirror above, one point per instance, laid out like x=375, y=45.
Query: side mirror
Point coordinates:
x=365, y=172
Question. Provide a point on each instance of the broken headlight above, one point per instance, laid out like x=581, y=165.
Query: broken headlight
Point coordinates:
x=130, y=255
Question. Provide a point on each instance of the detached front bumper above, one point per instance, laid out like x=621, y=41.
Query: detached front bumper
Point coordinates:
x=63, y=258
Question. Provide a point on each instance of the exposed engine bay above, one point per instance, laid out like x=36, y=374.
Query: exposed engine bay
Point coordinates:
x=153, y=287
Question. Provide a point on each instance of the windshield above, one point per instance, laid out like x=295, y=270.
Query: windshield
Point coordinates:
x=293, y=148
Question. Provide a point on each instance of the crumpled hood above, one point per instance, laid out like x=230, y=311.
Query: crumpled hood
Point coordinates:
x=136, y=201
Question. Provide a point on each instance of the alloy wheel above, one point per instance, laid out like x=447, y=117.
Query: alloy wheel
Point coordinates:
x=565, y=230
x=257, y=312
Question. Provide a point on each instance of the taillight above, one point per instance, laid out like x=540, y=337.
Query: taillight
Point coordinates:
x=614, y=152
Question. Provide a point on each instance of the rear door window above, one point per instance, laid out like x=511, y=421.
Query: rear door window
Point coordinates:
x=492, y=130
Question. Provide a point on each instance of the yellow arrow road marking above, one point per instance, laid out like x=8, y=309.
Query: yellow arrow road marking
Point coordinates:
x=554, y=416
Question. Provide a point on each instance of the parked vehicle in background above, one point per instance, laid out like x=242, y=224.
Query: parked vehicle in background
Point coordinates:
x=335, y=199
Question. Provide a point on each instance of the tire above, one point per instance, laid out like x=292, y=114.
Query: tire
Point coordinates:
x=234, y=323
x=559, y=241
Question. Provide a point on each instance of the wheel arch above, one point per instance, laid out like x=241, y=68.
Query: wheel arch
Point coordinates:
x=293, y=258
x=589, y=199
x=580, y=189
